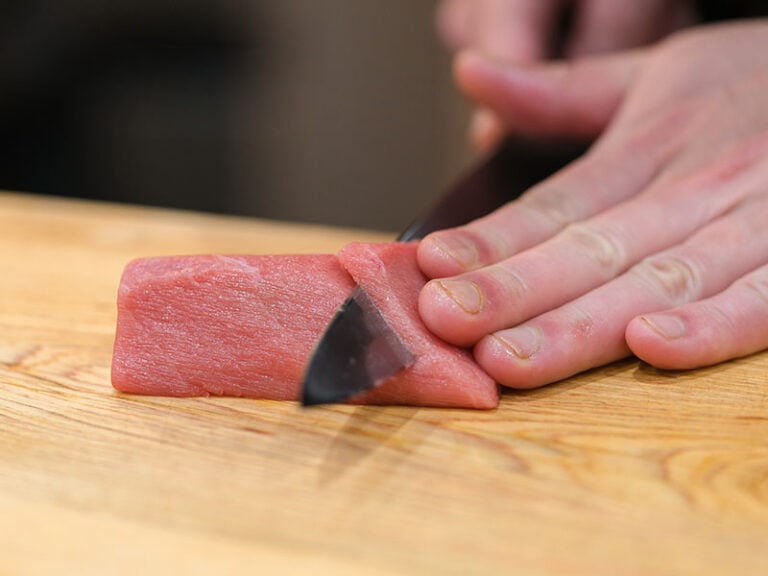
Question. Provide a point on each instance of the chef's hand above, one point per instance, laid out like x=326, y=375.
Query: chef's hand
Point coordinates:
x=654, y=243
x=524, y=31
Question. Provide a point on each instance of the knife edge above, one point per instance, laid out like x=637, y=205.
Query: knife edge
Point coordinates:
x=357, y=352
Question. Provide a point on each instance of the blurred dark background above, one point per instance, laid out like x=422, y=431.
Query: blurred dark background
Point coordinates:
x=333, y=111
x=340, y=111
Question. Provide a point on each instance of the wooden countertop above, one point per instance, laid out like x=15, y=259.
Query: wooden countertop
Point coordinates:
x=620, y=471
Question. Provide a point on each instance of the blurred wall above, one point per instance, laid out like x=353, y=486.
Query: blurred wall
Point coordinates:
x=340, y=111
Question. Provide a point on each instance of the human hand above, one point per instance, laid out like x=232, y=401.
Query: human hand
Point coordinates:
x=653, y=243
x=526, y=31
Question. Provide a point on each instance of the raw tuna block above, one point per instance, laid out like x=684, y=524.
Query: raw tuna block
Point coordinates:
x=246, y=326
x=223, y=325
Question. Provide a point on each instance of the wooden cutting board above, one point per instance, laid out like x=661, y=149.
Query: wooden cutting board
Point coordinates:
x=622, y=470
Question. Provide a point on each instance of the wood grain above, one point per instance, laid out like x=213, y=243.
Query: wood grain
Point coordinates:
x=623, y=470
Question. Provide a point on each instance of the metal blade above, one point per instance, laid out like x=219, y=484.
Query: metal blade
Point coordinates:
x=359, y=350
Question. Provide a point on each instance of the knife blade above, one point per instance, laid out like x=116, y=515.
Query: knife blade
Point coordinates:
x=359, y=350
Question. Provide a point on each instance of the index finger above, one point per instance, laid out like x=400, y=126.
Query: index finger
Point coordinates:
x=586, y=187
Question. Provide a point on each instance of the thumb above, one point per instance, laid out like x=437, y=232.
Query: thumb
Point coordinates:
x=571, y=98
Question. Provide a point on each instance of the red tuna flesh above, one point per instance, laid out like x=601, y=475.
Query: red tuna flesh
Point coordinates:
x=246, y=326
x=442, y=374
x=223, y=325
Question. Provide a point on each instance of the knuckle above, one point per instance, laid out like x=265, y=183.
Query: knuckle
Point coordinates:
x=553, y=205
x=509, y=285
x=605, y=251
x=676, y=279
x=478, y=246
x=582, y=325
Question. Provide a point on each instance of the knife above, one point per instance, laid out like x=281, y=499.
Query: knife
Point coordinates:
x=358, y=350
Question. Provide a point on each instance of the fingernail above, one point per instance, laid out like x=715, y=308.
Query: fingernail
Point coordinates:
x=459, y=249
x=467, y=295
x=522, y=341
x=669, y=327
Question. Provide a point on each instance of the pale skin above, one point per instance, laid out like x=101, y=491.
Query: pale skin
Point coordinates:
x=525, y=31
x=654, y=243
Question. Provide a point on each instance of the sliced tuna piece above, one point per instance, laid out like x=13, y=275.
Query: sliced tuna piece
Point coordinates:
x=442, y=374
